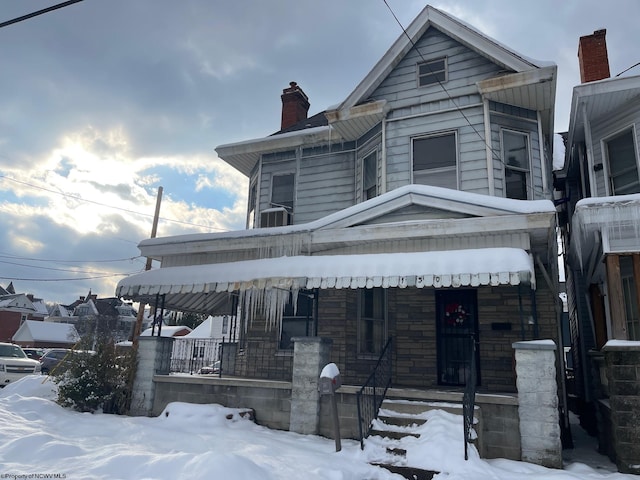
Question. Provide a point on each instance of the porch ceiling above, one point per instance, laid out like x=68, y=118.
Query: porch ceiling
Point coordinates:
x=206, y=287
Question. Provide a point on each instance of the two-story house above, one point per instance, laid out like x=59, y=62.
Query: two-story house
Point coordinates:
x=417, y=209
x=600, y=185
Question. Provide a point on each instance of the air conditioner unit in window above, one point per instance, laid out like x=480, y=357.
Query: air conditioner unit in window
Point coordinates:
x=275, y=217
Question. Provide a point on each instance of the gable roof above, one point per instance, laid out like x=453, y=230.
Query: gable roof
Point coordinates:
x=17, y=302
x=36, y=331
x=454, y=28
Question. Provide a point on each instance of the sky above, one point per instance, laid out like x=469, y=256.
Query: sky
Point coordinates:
x=103, y=102
x=199, y=442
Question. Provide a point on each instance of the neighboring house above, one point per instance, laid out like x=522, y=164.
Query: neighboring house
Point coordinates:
x=418, y=209
x=600, y=190
x=91, y=314
x=15, y=308
x=200, y=347
x=167, y=331
x=46, y=335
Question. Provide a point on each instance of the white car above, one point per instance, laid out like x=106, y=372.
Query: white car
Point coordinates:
x=14, y=364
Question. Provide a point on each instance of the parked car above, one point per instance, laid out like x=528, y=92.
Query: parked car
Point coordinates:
x=34, y=353
x=52, y=357
x=210, y=369
x=14, y=364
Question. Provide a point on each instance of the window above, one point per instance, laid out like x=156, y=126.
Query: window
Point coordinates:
x=433, y=71
x=282, y=191
x=630, y=297
x=372, y=315
x=434, y=160
x=623, y=166
x=370, y=176
x=225, y=324
x=299, y=321
x=515, y=152
x=253, y=202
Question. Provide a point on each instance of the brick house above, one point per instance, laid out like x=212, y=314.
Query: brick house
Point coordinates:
x=418, y=209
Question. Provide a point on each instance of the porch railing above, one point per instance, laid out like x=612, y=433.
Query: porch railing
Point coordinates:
x=372, y=393
x=469, y=396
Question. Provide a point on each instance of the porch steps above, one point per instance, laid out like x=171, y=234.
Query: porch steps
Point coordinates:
x=398, y=427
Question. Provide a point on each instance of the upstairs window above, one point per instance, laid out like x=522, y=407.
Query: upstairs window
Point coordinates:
x=370, y=176
x=432, y=71
x=623, y=164
x=435, y=160
x=253, y=204
x=282, y=188
x=515, y=152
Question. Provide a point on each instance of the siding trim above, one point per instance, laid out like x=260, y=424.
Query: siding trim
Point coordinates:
x=435, y=112
x=543, y=161
x=488, y=149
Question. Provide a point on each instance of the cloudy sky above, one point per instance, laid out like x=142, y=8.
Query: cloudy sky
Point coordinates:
x=102, y=102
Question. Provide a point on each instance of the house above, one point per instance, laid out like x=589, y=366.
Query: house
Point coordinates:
x=600, y=187
x=91, y=314
x=15, y=308
x=411, y=226
x=168, y=331
x=33, y=333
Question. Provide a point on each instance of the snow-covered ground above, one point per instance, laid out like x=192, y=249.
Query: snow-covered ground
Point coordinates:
x=41, y=439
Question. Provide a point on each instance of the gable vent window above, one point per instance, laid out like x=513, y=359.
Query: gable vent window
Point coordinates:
x=623, y=165
x=433, y=71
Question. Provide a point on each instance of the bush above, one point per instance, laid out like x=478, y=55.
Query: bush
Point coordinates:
x=97, y=380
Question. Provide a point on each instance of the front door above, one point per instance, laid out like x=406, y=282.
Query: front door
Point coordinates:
x=457, y=327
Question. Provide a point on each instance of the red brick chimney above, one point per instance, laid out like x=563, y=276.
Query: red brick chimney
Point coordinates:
x=593, y=58
x=295, y=105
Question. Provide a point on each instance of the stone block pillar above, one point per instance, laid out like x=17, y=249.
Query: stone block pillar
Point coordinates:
x=623, y=375
x=154, y=358
x=310, y=355
x=538, y=403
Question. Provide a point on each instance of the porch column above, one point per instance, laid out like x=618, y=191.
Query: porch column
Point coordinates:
x=538, y=402
x=154, y=358
x=623, y=375
x=310, y=355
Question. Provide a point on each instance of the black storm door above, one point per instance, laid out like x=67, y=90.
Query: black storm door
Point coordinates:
x=457, y=327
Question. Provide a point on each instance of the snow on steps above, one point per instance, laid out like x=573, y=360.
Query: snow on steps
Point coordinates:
x=400, y=426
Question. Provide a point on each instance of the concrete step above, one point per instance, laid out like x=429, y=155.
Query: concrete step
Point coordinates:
x=412, y=407
x=411, y=473
x=393, y=434
x=401, y=421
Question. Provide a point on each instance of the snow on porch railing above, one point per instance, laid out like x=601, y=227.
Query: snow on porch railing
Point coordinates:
x=372, y=393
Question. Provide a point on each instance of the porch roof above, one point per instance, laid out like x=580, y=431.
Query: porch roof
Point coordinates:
x=195, y=287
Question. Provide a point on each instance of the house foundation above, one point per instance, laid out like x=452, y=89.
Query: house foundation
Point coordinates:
x=538, y=402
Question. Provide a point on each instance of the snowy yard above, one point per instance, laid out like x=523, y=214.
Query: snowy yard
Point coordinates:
x=199, y=442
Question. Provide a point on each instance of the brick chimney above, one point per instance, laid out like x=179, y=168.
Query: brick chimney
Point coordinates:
x=295, y=105
x=593, y=58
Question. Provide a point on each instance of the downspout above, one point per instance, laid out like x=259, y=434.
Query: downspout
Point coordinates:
x=487, y=143
x=383, y=157
x=589, y=151
x=543, y=158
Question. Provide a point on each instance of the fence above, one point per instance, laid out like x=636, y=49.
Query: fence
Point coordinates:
x=191, y=354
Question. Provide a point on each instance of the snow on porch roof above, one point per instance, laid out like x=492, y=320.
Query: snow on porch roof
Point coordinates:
x=455, y=268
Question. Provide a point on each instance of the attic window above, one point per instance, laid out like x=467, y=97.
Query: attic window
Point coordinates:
x=432, y=71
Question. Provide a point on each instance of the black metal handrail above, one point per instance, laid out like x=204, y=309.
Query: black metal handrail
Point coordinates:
x=469, y=396
x=372, y=393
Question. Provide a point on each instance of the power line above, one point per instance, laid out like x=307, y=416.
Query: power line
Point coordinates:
x=75, y=197
x=71, y=279
x=17, y=257
x=57, y=269
x=39, y=12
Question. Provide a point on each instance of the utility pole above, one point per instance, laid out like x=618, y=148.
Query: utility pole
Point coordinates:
x=138, y=326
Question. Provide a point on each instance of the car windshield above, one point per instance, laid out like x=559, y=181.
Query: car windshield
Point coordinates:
x=12, y=351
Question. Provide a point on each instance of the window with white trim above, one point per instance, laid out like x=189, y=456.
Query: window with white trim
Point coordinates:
x=370, y=176
x=623, y=164
x=432, y=72
x=282, y=191
x=253, y=205
x=372, y=320
x=435, y=160
x=515, y=154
